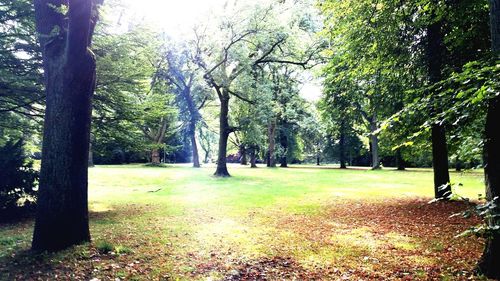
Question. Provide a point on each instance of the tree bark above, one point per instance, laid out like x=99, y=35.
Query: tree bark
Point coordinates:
x=253, y=158
x=342, y=148
x=69, y=69
x=243, y=151
x=155, y=156
x=374, y=143
x=400, y=162
x=488, y=264
x=435, y=53
x=195, y=116
x=272, y=137
x=91, y=156
x=284, y=145
x=206, y=157
x=442, y=188
x=194, y=145
x=224, y=131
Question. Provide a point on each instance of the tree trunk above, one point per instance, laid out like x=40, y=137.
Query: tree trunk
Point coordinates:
x=253, y=158
x=69, y=69
x=243, y=151
x=91, y=156
x=458, y=165
x=206, y=157
x=442, y=188
x=272, y=136
x=488, y=264
x=194, y=145
x=400, y=162
x=435, y=53
x=155, y=156
x=195, y=116
x=318, y=160
x=374, y=144
x=223, y=137
x=342, y=147
x=284, y=145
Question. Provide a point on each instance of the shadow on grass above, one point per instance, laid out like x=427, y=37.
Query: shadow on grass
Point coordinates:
x=18, y=262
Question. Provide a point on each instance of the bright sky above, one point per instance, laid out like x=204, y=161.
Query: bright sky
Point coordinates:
x=175, y=17
x=178, y=18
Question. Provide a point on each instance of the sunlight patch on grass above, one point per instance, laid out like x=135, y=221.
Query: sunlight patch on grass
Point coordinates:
x=99, y=207
x=401, y=242
x=361, y=238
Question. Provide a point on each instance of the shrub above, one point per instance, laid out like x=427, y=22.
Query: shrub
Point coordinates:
x=18, y=179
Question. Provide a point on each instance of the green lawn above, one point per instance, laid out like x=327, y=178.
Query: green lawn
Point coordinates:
x=303, y=222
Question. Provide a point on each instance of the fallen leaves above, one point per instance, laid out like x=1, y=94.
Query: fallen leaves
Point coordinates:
x=391, y=239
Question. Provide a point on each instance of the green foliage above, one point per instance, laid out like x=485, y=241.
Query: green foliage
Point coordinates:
x=489, y=211
x=18, y=179
x=21, y=91
x=105, y=247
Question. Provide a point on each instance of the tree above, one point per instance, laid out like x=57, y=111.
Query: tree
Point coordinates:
x=229, y=64
x=21, y=82
x=122, y=82
x=18, y=178
x=256, y=37
x=65, y=31
x=435, y=50
x=313, y=135
x=488, y=264
x=184, y=76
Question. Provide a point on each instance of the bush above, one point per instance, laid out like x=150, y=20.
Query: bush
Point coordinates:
x=18, y=179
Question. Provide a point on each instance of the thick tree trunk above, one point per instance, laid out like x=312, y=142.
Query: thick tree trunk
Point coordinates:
x=442, y=188
x=224, y=131
x=272, y=137
x=194, y=145
x=489, y=262
x=243, y=151
x=374, y=144
x=155, y=156
x=69, y=68
x=342, y=146
x=400, y=162
x=253, y=158
x=435, y=53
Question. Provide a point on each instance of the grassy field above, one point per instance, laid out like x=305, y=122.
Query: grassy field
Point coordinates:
x=176, y=222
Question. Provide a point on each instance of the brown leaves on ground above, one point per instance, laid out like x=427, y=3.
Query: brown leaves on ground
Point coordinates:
x=392, y=239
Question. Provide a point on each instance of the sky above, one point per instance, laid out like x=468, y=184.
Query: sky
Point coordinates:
x=177, y=18
x=172, y=15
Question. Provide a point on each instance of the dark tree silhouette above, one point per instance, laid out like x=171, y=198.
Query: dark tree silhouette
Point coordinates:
x=488, y=265
x=69, y=69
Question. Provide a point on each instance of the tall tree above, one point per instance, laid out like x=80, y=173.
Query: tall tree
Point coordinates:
x=488, y=265
x=65, y=31
x=435, y=50
x=184, y=76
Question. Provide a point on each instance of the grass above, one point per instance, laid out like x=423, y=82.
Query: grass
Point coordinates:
x=176, y=222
